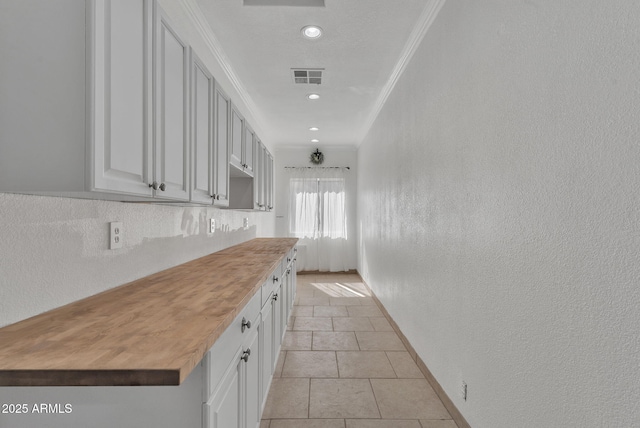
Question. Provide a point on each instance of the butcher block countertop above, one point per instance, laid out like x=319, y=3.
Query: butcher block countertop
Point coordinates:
x=152, y=331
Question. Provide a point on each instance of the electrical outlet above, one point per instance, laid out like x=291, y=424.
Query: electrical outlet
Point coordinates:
x=212, y=225
x=115, y=235
x=463, y=391
x=245, y=223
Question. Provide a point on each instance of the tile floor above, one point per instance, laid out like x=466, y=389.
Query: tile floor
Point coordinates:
x=343, y=366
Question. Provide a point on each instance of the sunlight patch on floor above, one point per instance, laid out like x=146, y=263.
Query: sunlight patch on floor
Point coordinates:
x=342, y=289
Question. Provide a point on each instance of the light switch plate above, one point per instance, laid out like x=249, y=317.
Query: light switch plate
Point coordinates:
x=212, y=225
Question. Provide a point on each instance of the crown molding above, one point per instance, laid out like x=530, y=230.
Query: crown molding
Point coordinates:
x=415, y=38
x=196, y=16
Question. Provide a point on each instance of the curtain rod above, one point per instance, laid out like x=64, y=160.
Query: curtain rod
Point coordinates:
x=321, y=167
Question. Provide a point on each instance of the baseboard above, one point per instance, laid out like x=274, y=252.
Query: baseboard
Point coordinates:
x=317, y=272
x=448, y=404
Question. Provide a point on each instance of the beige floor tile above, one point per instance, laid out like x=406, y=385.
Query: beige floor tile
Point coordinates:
x=345, y=301
x=333, y=289
x=352, y=324
x=404, y=366
x=307, y=423
x=313, y=301
x=364, y=365
x=342, y=398
x=334, y=341
x=381, y=423
x=408, y=399
x=297, y=341
x=313, y=324
x=359, y=287
x=310, y=364
x=380, y=324
x=438, y=424
x=265, y=423
x=305, y=278
x=367, y=301
x=302, y=311
x=379, y=341
x=280, y=363
x=364, y=311
x=288, y=398
x=330, y=311
x=305, y=293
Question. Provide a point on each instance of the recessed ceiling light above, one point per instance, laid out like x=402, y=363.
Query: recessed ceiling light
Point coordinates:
x=313, y=96
x=312, y=32
x=313, y=128
x=315, y=141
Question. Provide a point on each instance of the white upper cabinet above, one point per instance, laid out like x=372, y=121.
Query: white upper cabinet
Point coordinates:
x=269, y=182
x=248, y=149
x=237, y=138
x=242, y=145
x=121, y=121
x=202, y=141
x=171, y=97
x=258, y=175
x=105, y=102
x=221, y=150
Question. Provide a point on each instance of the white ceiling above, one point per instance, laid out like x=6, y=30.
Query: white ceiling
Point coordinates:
x=363, y=46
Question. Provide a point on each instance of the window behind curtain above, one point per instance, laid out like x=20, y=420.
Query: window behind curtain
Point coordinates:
x=318, y=208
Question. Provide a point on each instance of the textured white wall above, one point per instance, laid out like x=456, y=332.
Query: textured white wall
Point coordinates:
x=340, y=156
x=55, y=250
x=499, y=210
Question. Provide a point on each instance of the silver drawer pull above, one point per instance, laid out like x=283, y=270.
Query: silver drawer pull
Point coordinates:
x=245, y=324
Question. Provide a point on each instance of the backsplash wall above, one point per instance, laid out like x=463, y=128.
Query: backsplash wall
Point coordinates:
x=55, y=250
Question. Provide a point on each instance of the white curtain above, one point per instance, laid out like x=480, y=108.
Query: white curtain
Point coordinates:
x=318, y=217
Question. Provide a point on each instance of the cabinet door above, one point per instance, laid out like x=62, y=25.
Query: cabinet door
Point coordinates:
x=277, y=325
x=221, y=153
x=252, y=391
x=224, y=407
x=248, y=149
x=121, y=121
x=266, y=346
x=237, y=130
x=258, y=177
x=269, y=182
x=202, y=142
x=171, y=111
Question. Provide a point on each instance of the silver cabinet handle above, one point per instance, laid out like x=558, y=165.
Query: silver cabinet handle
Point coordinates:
x=275, y=279
x=245, y=355
x=154, y=185
x=245, y=324
x=163, y=186
x=275, y=297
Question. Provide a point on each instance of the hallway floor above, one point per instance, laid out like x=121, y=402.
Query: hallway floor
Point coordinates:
x=343, y=366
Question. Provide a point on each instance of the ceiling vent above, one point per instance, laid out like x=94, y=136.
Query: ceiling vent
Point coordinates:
x=307, y=76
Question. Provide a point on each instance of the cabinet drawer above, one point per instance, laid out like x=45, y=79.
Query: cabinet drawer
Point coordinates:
x=223, y=351
x=271, y=284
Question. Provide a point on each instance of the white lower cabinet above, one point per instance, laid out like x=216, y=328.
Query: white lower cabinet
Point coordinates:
x=240, y=366
x=267, y=348
x=252, y=392
x=223, y=409
x=228, y=389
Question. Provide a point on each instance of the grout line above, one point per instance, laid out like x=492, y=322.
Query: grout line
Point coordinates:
x=386, y=354
x=309, y=401
x=373, y=391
